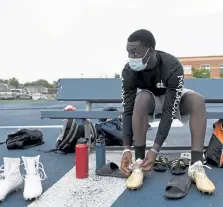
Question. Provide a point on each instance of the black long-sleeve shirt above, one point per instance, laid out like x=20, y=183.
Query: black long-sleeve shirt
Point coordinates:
x=167, y=73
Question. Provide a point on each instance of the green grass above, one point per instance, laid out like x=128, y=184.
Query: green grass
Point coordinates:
x=19, y=101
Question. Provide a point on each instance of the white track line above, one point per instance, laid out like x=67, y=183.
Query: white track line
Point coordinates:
x=176, y=123
x=45, y=126
x=95, y=191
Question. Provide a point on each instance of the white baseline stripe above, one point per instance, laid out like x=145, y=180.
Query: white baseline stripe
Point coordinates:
x=95, y=191
x=45, y=126
x=176, y=123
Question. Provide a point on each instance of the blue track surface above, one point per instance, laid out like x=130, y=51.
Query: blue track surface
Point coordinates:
x=57, y=165
x=151, y=193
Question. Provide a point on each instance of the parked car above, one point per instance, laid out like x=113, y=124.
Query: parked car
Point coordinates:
x=20, y=94
x=7, y=95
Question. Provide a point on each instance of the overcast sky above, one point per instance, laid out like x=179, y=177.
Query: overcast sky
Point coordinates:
x=54, y=39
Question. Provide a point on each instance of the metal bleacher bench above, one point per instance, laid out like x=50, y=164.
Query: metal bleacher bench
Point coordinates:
x=109, y=91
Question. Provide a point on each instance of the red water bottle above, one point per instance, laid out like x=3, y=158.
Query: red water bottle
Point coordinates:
x=81, y=158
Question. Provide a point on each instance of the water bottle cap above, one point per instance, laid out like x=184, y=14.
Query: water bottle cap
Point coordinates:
x=82, y=141
x=100, y=140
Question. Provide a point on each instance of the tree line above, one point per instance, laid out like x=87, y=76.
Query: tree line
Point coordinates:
x=197, y=73
x=41, y=82
x=15, y=83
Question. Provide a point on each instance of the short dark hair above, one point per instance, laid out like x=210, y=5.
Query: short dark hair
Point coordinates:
x=144, y=36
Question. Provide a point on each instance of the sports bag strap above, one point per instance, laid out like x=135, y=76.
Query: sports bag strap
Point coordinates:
x=74, y=131
x=66, y=139
x=205, y=153
x=65, y=142
x=52, y=150
x=2, y=143
x=33, y=145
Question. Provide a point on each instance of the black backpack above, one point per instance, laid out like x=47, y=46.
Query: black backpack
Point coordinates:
x=24, y=138
x=70, y=133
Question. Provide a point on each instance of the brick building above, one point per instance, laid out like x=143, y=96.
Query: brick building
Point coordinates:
x=212, y=63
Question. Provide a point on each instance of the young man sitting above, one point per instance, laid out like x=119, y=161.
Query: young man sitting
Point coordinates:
x=160, y=78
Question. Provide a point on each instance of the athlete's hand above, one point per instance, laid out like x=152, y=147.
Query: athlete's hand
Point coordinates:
x=126, y=163
x=147, y=163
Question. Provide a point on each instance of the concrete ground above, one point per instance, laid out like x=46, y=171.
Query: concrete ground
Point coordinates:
x=61, y=188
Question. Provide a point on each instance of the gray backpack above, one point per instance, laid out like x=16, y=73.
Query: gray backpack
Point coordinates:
x=71, y=132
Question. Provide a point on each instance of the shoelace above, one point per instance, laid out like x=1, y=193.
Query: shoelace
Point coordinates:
x=39, y=171
x=2, y=172
x=136, y=167
x=200, y=170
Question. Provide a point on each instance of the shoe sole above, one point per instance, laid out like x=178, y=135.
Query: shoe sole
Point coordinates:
x=202, y=190
x=205, y=191
x=30, y=199
x=10, y=193
x=134, y=188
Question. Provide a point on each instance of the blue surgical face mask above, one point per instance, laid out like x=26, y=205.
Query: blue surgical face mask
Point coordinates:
x=136, y=64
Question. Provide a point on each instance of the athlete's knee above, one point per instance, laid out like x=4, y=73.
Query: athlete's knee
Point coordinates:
x=195, y=102
x=144, y=100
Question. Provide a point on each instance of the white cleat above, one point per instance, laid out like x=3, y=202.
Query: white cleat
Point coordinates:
x=33, y=178
x=10, y=177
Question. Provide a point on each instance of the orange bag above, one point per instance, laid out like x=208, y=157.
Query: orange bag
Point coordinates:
x=214, y=153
